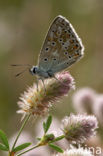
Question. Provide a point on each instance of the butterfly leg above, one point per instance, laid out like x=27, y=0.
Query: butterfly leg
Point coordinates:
x=43, y=84
x=37, y=82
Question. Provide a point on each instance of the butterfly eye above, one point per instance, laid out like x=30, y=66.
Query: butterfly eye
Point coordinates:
x=45, y=59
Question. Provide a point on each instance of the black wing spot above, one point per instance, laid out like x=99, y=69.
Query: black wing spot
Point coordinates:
x=69, y=31
x=58, y=32
x=54, y=59
x=66, y=53
x=45, y=59
x=65, y=31
x=47, y=49
x=60, y=40
x=62, y=43
x=53, y=43
x=77, y=45
x=66, y=47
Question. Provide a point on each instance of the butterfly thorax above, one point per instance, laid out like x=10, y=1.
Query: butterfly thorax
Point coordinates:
x=35, y=70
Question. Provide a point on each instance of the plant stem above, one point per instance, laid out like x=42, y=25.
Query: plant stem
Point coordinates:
x=24, y=123
x=29, y=149
x=40, y=144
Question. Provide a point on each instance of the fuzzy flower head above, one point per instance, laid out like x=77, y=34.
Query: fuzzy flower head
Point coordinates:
x=39, y=102
x=98, y=108
x=78, y=128
x=83, y=100
x=76, y=152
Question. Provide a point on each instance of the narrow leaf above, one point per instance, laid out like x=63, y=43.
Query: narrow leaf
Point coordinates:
x=21, y=147
x=48, y=123
x=58, y=138
x=4, y=139
x=55, y=147
x=3, y=148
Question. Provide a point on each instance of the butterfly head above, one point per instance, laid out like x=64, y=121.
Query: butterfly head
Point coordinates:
x=33, y=70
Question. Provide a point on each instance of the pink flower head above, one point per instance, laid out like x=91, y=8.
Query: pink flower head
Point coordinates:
x=38, y=102
x=78, y=128
x=98, y=108
x=83, y=100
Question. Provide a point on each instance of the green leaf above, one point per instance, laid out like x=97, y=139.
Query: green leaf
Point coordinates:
x=49, y=137
x=55, y=147
x=3, y=147
x=4, y=139
x=58, y=138
x=47, y=124
x=21, y=147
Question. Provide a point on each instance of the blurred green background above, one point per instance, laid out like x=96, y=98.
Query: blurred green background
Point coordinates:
x=23, y=25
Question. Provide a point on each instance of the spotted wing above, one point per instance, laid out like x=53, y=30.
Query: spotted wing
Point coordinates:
x=62, y=46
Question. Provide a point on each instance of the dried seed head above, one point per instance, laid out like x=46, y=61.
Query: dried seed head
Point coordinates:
x=39, y=102
x=78, y=128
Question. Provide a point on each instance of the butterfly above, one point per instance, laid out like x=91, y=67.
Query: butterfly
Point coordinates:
x=61, y=48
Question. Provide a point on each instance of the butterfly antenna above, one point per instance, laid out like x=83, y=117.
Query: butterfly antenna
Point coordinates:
x=14, y=65
x=18, y=74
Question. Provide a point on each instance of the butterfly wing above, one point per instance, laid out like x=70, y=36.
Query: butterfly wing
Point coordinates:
x=62, y=46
